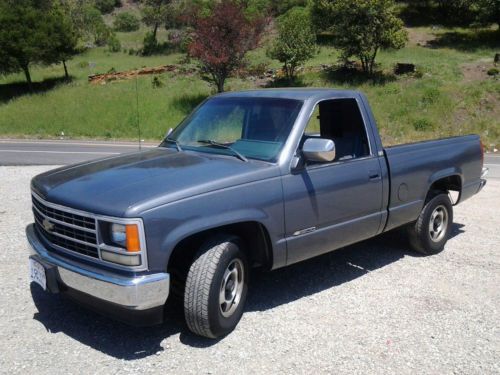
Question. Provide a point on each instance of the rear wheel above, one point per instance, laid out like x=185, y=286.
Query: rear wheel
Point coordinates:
x=431, y=231
x=216, y=288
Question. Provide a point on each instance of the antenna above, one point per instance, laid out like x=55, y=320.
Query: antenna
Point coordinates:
x=137, y=112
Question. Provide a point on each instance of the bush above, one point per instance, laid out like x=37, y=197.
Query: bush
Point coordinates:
x=157, y=83
x=103, y=33
x=95, y=29
x=150, y=44
x=107, y=6
x=296, y=42
x=126, y=22
x=114, y=44
x=258, y=69
x=493, y=72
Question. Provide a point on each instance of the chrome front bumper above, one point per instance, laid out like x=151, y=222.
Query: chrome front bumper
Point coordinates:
x=134, y=293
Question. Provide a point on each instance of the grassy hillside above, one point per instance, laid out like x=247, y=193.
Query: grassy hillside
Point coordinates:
x=451, y=94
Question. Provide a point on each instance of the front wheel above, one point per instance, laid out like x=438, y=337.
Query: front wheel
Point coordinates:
x=431, y=231
x=216, y=288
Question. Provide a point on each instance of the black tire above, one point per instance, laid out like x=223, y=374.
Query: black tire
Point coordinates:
x=202, y=308
x=424, y=234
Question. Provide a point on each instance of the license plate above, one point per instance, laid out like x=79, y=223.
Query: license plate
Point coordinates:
x=37, y=274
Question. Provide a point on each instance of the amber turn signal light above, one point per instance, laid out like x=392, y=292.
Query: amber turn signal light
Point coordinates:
x=133, y=242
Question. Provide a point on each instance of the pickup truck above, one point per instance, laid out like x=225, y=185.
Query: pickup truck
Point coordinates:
x=262, y=178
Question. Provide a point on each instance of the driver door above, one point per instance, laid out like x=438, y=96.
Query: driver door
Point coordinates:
x=333, y=204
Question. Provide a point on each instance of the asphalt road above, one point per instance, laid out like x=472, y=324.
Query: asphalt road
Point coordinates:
x=493, y=163
x=32, y=152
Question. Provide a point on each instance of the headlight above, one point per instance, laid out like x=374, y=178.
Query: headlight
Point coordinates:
x=118, y=234
x=126, y=236
x=121, y=243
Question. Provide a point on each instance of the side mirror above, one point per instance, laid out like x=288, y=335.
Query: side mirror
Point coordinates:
x=319, y=149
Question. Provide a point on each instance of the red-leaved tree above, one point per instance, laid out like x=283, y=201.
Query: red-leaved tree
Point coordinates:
x=221, y=39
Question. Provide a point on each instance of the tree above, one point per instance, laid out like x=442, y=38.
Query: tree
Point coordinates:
x=361, y=27
x=457, y=12
x=221, y=39
x=488, y=11
x=296, y=41
x=33, y=32
x=63, y=40
x=155, y=14
x=126, y=22
x=94, y=27
x=275, y=7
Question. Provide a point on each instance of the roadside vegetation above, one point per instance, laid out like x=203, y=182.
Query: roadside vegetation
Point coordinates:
x=428, y=71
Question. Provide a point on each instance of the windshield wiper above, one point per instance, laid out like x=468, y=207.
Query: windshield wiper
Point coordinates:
x=222, y=145
x=175, y=142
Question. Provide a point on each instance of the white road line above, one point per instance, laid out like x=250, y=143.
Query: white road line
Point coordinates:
x=62, y=152
x=89, y=144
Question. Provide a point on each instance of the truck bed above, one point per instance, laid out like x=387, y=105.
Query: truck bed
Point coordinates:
x=414, y=167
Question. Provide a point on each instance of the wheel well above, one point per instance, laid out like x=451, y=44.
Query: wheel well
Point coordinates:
x=255, y=238
x=446, y=184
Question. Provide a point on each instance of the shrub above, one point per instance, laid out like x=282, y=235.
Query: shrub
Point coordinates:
x=106, y=6
x=114, y=44
x=258, y=69
x=156, y=82
x=150, y=44
x=296, y=42
x=126, y=22
x=493, y=72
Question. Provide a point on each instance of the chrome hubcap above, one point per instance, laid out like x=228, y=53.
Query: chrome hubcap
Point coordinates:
x=231, y=288
x=438, y=223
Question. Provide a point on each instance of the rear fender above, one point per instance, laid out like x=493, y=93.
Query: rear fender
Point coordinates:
x=443, y=174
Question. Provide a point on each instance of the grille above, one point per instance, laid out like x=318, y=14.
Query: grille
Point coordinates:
x=68, y=230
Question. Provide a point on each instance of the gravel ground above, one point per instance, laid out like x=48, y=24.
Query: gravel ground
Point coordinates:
x=370, y=308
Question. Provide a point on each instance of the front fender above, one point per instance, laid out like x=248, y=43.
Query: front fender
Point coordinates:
x=260, y=202
x=201, y=224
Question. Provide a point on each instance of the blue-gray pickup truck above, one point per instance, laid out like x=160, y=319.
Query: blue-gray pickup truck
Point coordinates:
x=261, y=178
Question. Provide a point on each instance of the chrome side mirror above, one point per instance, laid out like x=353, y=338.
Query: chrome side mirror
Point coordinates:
x=319, y=149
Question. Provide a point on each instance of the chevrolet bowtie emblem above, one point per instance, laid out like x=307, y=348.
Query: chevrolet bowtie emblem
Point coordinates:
x=47, y=225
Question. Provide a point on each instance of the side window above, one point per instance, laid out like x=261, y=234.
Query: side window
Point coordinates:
x=312, y=127
x=340, y=120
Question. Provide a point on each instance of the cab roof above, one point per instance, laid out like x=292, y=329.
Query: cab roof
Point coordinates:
x=293, y=93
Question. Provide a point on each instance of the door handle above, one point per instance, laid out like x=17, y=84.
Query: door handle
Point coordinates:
x=373, y=175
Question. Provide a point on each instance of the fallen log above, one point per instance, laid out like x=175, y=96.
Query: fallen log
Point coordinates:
x=130, y=74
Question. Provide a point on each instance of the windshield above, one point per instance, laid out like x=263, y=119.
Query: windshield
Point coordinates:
x=253, y=127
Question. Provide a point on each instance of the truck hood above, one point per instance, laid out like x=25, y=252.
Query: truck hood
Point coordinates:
x=129, y=184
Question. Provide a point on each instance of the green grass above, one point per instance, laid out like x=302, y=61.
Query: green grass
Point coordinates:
x=439, y=102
